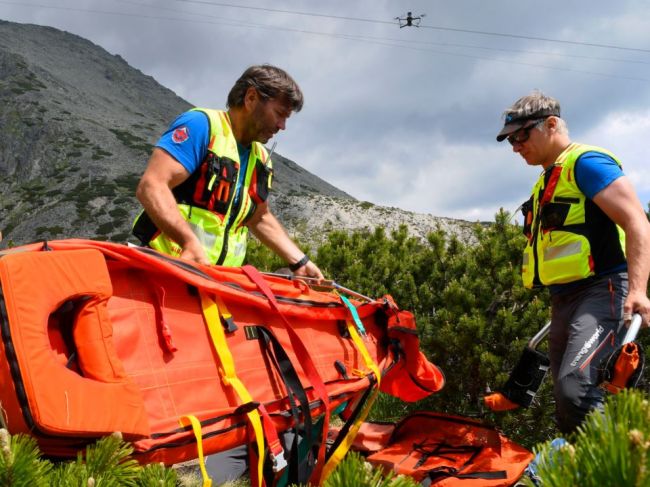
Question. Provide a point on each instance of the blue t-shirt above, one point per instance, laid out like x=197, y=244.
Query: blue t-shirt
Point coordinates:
x=594, y=172
x=187, y=140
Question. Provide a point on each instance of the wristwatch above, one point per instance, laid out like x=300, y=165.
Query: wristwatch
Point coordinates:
x=299, y=264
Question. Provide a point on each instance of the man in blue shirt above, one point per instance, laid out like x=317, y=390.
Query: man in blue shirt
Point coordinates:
x=588, y=240
x=207, y=181
x=206, y=184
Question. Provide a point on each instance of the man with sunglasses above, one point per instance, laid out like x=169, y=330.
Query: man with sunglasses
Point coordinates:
x=588, y=240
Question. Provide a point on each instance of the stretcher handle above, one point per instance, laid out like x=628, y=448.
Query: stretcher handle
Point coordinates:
x=633, y=329
x=630, y=336
x=539, y=336
x=326, y=283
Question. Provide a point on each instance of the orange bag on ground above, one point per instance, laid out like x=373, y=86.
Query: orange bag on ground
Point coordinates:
x=444, y=450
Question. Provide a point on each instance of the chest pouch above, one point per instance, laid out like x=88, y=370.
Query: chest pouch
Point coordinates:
x=527, y=211
x=217, y=183
x=261, y=182
x=553, y=215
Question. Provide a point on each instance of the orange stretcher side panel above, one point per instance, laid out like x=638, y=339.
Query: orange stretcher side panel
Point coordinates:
x=52, y=398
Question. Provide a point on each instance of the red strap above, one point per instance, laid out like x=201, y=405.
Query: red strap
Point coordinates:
x=303, y=357
x=551, y=185
x=270, y=432
x=273, y=442
x=165, y=331
x=163, y=327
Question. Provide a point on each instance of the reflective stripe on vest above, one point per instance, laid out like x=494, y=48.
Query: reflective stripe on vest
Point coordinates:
x=223, y=236
x=559, y=249
x=209, y=229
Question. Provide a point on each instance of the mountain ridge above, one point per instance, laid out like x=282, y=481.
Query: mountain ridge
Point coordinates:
x=79, y=125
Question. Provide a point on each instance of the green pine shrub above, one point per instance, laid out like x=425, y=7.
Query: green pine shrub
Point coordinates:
x=107, y=463
x=609, y=448
x=21, y=463
x=354, y=471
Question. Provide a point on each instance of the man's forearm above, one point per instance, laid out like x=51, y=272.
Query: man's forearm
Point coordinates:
x=637, y=249
x=271, y=233
x=160, y=205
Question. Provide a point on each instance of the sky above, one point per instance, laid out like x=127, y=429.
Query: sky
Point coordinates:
x=403, y=117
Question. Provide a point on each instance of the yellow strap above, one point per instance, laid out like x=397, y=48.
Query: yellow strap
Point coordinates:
x=196, y=427
x=367, y=360
x=221, y=307
x=228, y=375
x=352, y=330
x=345, y=445
x=211, y=182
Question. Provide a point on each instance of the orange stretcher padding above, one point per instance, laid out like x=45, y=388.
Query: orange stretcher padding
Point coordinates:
x=64, y=402
x=134, y=354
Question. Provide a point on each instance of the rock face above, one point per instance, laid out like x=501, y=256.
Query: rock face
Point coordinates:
x=312, y=215
x=77, y=127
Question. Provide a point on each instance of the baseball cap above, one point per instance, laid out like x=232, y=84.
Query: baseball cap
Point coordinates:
x=514, y=122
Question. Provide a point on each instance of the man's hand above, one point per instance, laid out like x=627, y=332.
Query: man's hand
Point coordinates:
x=194, y=252
x=310, y=270
x=637, y=302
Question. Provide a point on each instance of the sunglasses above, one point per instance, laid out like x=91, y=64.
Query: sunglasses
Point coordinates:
x=523, y=134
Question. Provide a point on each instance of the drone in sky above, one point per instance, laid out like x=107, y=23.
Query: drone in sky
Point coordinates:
x=409, y=20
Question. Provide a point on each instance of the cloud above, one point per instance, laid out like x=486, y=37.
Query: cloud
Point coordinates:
x=434, y=175
x=625, y=133
x=399, y=117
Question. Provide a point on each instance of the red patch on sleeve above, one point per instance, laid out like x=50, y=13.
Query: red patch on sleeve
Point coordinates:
x=180, y=135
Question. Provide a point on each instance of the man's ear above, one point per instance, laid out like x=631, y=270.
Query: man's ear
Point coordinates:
x=251, y=98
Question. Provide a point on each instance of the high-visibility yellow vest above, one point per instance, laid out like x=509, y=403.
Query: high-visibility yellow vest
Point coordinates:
x=206, y=199
x=569, y=236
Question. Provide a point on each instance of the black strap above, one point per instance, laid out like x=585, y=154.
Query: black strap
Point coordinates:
x=443, y=450
x=355, y=414
x=440, y=473
x=446, y=451
x=264, y=340
x=295, y=392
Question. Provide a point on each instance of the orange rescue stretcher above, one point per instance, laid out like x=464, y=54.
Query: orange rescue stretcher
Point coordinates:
x=186, y=360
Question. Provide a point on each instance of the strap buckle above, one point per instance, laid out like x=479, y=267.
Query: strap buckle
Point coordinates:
x=279, y=462
x=229, y=324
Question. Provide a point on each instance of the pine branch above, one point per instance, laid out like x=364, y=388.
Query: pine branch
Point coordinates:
x=353, y=470
x=610, y=448
x=21, y=463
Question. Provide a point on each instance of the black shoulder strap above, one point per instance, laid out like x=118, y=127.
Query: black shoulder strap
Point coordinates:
x=297, y=398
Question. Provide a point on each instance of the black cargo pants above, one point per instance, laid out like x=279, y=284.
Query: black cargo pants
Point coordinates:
x=586, y=327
